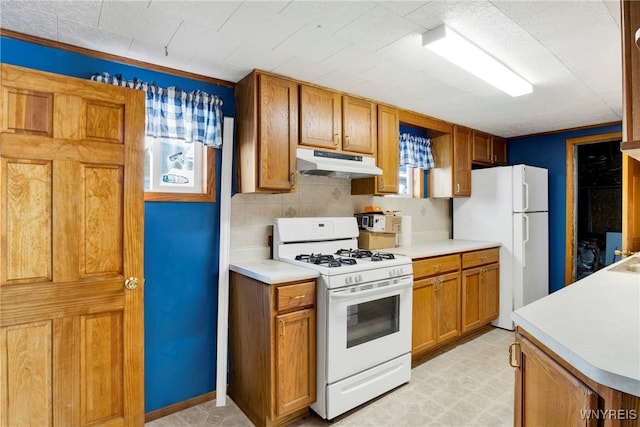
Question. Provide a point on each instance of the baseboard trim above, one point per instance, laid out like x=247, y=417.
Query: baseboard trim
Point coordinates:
x=177, y=407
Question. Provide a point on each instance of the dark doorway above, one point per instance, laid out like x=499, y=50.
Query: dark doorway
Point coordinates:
x=599, y=205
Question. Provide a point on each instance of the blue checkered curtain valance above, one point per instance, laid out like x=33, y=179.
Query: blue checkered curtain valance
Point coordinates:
x=173, y=113
x=415, y=151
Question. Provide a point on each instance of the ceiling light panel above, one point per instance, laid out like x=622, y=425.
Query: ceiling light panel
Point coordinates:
x=458, y=50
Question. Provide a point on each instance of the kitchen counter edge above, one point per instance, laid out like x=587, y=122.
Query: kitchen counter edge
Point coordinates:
x=272, y=272
x=441, y=247
x=604, y=346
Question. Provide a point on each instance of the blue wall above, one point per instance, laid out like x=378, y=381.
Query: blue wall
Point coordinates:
x=181, y=249
x=549, y=151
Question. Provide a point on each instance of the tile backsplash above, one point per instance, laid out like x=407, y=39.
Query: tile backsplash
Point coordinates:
x=252, y=215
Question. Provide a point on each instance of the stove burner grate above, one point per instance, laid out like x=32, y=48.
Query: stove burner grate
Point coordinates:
x=363, y=253
x=327, y=260
x=381, y=256
x=354, y=253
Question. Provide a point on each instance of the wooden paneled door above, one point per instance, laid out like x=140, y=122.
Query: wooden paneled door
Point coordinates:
x=71, y=246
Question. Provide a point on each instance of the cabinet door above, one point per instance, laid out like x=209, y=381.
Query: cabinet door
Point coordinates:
x=320, y=118
x=448, y=307
x=480, y=292
x=359, y=118
x=546, y=394
x=481, y=147
x=388, y=149
x=461, y=161
x=423, y=334
x=472, y=299
x=295, y=364
x=499, y=150
x=278, y=127
x=490, y=293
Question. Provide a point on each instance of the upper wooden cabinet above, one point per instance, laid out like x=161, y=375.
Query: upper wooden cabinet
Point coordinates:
x=451, y=176
x=481, y=147
x=267, y=133
x=333, y=121
x=488, y=149
x=499, y=150
x=388, y=157
x=630, y=79
x=359, y=118
x=320, y=118
x=461, y=161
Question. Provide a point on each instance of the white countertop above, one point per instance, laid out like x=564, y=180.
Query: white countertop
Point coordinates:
x=272, y=272
x=593, y=324
x=441, y=247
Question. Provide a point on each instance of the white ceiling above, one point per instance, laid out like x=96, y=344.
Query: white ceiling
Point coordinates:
x=569, y=50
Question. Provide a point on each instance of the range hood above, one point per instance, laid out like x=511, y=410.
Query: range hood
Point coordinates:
x=334, y=164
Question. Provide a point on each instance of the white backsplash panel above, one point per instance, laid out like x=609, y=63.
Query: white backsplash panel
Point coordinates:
x=252, y=215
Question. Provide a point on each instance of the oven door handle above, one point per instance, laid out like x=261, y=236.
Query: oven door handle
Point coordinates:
x=403, y=284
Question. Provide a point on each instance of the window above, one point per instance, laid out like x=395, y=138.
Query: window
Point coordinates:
x=182, y=129
x=406, y=181
x=415, y=158
x=178, y=170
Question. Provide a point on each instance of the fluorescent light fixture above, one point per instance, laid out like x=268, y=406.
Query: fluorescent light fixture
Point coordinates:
x=455, y=48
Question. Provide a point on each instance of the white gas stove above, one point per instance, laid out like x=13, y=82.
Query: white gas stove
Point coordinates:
x=363, y=311
x=330, y=246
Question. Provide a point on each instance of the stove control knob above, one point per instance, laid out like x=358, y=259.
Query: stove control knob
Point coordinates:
x=359, y=278
x=348, y=280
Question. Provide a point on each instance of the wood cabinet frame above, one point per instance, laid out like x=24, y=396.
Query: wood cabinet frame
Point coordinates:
x=272, y=349
x=580, y=391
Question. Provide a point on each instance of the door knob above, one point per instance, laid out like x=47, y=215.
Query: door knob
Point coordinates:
x=131, y=283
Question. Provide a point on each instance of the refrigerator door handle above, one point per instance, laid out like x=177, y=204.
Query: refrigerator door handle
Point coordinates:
x=525, y=186
x=525, y=240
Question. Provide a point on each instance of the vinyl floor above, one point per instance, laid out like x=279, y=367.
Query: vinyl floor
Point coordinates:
x=469, y=385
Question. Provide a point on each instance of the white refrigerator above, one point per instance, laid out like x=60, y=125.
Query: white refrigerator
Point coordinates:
x=509, y=205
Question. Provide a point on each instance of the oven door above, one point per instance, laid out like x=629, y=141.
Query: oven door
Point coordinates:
x=367, y=324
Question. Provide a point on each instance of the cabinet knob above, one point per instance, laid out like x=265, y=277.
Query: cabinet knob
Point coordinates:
x=336, y=139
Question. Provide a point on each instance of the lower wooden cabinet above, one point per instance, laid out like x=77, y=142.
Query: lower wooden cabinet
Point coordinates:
x=436, y=303
x=550, y=392
x=453, y=296
x=272, y=340
x=480, y=288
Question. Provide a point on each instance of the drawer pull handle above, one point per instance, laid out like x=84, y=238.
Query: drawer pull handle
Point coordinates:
x=513, y=355
x=298, y=296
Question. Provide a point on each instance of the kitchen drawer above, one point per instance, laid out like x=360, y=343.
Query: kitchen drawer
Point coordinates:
x=475, y=258
x=295, y=296
x=432, y=266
